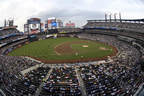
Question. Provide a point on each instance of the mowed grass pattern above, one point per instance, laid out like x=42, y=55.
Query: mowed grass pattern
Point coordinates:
x=45, y=49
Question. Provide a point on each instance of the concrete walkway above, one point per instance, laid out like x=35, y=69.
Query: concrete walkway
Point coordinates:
x=2, y=93
x=81, y=83
x=29, y=58
x=31, y=68
x=140, y=91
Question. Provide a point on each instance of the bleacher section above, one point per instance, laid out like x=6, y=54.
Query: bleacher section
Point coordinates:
x=128, y=26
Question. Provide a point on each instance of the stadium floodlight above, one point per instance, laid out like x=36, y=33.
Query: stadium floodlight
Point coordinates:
x=120, y=17
x=105, y=17
x=5, y=23
x=110, y=15
x=115, y=17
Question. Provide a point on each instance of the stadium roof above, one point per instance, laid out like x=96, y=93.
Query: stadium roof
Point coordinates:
x=103, y=20
x=9, y=27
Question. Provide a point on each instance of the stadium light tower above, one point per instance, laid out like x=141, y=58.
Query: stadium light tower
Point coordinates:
x=115, y=17
x=110, y=16
x=120, y=17
x=105, y=17
x=5, y=23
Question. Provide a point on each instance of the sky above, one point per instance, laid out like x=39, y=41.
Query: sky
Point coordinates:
x=78, y=11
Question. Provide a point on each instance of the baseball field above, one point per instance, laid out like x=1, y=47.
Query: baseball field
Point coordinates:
x=65, y=49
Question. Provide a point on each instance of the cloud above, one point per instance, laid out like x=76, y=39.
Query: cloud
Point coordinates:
x=70, y=13
x=76, y=10
x=141, y=1
x=76, y=15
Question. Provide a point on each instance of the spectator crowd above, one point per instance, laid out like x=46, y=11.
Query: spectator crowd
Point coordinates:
x=121, y=77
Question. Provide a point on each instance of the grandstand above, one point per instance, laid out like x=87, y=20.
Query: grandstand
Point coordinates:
x=118, y=24
x=120, y=76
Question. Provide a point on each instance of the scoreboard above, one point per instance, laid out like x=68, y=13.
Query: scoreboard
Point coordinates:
x=34, y=25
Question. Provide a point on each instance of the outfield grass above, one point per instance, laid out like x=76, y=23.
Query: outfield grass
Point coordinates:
x=45, y=49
